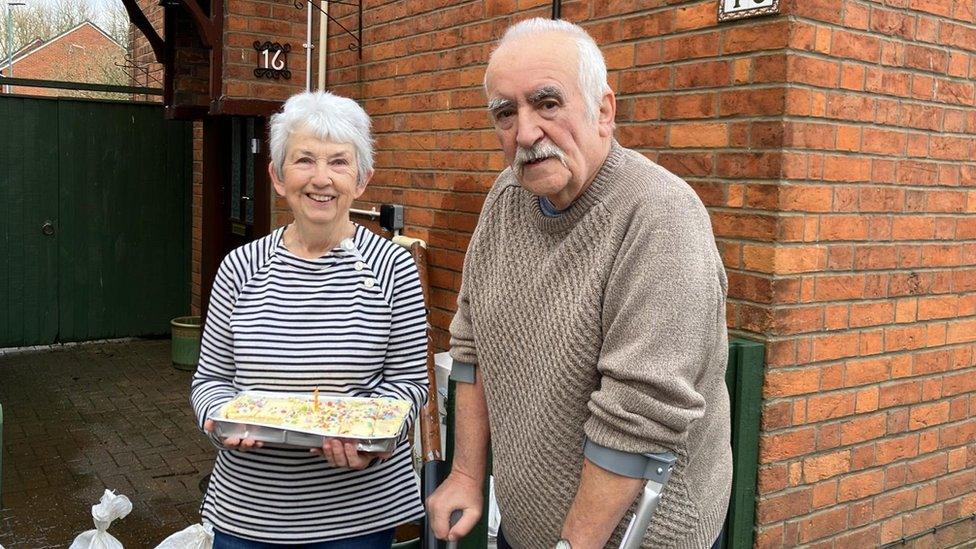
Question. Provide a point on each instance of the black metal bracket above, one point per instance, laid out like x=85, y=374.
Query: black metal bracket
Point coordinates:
x=138, y=19
x=132, y=69
x=357, y=46
x=391, y=217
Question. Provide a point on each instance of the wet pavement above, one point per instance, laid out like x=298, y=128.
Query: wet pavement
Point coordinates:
x=82, y=418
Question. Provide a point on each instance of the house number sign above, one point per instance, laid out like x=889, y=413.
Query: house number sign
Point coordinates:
x=738, y=9
x=272, y=60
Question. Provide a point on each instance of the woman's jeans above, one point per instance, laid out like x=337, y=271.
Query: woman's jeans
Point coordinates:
x=377, y=540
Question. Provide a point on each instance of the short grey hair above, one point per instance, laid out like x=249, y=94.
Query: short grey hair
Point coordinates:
x=326, y=116
x=591, y=66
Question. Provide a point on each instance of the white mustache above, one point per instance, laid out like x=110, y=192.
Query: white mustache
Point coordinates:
x=543, y=149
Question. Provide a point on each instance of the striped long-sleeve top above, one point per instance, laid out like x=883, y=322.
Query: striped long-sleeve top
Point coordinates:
x=350, y=323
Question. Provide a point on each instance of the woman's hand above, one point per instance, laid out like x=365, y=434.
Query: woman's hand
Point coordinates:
x=234, y=443
x=343, y=453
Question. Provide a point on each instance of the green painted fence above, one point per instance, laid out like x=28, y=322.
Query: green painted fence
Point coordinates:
x=94, y=220
x=744, y=378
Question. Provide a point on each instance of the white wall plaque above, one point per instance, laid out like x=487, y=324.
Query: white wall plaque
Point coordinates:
x=738, y=9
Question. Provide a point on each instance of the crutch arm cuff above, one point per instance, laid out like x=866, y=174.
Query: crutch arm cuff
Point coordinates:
x=656, y=467
x=463, y=372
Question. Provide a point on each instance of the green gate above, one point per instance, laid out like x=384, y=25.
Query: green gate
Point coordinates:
x=94, y=220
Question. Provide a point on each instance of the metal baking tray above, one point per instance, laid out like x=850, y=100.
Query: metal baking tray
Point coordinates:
x=281, y=436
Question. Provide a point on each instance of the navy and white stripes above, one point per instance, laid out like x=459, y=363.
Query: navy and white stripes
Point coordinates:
x=350, y=323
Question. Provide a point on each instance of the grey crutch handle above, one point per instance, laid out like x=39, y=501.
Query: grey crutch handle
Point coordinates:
x=657, y=472
x=455, y=516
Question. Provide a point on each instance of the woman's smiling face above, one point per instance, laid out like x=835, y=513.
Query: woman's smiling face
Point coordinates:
x=320, y=179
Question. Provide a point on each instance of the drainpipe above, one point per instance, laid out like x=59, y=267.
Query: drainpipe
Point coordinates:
x=323, y=42
x=308, y=47
x=557, y=7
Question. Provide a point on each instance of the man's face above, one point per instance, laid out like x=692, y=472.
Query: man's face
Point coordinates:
x=541, y=120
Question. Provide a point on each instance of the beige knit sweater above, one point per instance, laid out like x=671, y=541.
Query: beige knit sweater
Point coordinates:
x=607, y=323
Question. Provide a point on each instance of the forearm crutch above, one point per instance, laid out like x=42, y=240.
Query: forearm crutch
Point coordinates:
x=657, y=472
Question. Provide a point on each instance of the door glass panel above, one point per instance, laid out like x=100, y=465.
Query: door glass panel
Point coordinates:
x=235, y=175
x=249, y=172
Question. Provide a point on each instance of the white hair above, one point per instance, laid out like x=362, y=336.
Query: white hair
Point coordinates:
x=590, y=64
x=326, y=116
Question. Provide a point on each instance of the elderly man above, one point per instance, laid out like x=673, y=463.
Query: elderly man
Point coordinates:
x=590, y=322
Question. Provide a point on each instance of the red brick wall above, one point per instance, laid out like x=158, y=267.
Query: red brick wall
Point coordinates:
x=248, y=21
x=191, y=73
x=870, y=413
x=82, y=55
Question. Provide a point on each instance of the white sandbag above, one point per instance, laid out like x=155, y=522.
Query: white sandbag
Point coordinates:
x=111, y=507
x=198, y=536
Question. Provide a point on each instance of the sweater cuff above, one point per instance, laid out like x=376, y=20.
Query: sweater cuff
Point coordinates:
x=605, y=434
x=463, y=352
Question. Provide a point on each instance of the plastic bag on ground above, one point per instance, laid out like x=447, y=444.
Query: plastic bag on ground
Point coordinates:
x=198, y=536
x=111, y=507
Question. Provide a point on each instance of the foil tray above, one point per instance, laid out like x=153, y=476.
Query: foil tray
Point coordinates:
x=290, y=437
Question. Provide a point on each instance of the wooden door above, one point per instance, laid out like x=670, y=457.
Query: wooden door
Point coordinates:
x=247, y=191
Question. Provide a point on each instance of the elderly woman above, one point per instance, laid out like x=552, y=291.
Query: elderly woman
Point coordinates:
x=322, y=304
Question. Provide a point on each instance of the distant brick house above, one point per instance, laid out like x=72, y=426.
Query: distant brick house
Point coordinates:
x=84, y=53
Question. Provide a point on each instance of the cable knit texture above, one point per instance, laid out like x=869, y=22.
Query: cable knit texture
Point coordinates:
x=607, y=323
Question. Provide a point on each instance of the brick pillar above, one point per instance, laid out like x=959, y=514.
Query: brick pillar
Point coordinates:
x=869, y=416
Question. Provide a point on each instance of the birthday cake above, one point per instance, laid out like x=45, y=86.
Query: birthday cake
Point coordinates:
x=333, y=416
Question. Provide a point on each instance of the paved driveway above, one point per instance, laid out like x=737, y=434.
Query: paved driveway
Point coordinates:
x=79, y=419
